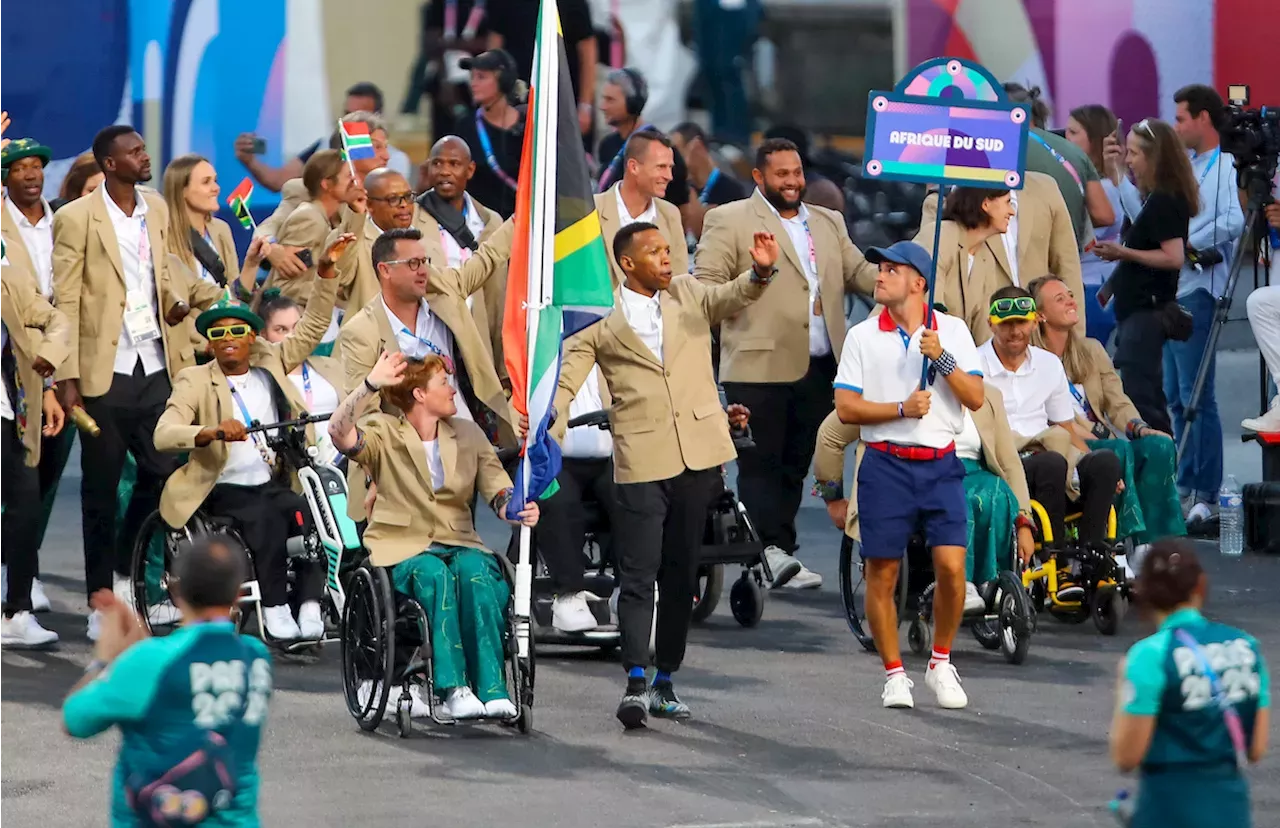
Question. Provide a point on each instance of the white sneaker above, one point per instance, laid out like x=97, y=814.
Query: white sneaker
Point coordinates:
x=39, y=600
x=23, y=632
x=783, y=566
x=280, y=624
x=1199, y=513
x=1266, y=424
x=806, y=578
x=310, y=621
x=945, y=684
x=897, y=692
x=94, y=625
x=461, y=703
x=500, y=709
x=164, y=614
x=570, y=613
x=972, y=600
x=122, y=586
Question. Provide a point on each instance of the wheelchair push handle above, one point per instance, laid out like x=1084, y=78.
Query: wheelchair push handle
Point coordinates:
x=301, y=422
x=599, y=419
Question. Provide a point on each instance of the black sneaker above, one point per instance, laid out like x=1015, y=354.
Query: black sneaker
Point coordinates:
x=665, y=704
x=633, y=709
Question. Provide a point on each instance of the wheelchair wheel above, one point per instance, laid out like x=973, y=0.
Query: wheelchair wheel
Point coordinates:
x=746, y=600
x=1014, y=618
x=149, y=568
x=851, y=583
x=1107, y=610
x=368, y=647
x=920, y=636
x=710, y=584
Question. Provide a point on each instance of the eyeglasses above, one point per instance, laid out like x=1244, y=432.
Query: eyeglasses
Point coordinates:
x=1021, y=304
x=413, y=264
x=395, y=199
x=227, y=331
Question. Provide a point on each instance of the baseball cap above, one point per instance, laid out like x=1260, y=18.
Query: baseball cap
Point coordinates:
x=493, y=60
x=904, y=253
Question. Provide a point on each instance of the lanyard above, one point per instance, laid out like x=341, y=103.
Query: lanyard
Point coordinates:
x=711, y=182
x=1060, y=159
x=1213, y=159
x=259, y=441
x=487, y=146
x=1230, y=717
x=204, y=271
x=306, y=384
x=1084, y=402
x=144, y=252
x=451, y=20
x=813, y=251
x=614, y=169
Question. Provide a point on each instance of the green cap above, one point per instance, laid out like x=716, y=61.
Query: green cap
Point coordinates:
x=20, y=148
x=227, y=308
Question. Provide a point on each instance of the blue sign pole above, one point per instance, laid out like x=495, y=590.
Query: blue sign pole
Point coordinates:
x=933, y=279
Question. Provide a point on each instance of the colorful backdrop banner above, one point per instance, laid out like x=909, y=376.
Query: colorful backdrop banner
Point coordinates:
x=947, y=122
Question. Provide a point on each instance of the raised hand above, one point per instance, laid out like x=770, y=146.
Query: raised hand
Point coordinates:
x=764, y=251
x=335, y=250
x=259, y=249
x=388, y=370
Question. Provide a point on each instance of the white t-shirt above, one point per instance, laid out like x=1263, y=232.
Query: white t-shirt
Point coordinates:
x=245, y=464
x=434, y=464
x=1036, y=394
x=588, y=442
x=321, y=398
x=802, y=243
x=969, y=442
x=883, y=364
x=430, y=335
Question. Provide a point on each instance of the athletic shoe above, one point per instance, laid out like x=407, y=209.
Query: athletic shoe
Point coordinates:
x=945, y=684
x=461, y=703
x=39, y=600
x=280, y=624
x=633, y=710
x=122, y=586
x=1068, y=591
x=973, y=602
x=897, y=692
x=500, y=709
x=23, y=632
x=805, y=578
x=1266, y=424
x=1200, y=513
x=310, y=621
x=571, y=613
x=784, y=567
x=665, y=704
x=94, y=625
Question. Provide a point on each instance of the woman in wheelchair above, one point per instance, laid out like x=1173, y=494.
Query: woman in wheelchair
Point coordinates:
x=995, y=488
x=235, y=475
x=427, y=465
x=1148, y=509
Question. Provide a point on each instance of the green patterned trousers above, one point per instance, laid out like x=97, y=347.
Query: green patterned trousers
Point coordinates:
x=465, y=597
x=1148, y=508
x=992, y=511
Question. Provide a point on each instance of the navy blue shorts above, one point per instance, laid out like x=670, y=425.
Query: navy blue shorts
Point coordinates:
x=897, y=498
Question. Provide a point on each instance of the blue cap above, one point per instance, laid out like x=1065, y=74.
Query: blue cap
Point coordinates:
x=905, y=253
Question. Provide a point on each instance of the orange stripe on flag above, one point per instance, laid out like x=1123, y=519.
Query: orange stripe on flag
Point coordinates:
x=515, y=324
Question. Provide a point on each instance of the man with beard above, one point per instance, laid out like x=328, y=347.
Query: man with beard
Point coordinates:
x=778, y=358
x=453, y=225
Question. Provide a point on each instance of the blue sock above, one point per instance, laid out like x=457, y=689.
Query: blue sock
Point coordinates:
x=661, y=676
x=636, y=673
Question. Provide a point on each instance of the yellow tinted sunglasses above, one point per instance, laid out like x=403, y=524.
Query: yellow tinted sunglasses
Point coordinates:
x=223, y=331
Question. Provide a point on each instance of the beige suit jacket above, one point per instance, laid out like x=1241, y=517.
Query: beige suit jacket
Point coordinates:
x=966, y=292
x=309, y=227
x=666, y=414
x=36, y=329
x=14, y=247
x=999, y=454
x=1046, y=239
x=357, y=279
x=201, y=398
x=409, y=515
x=668, y=222
x=769, y=341
x=293, y=194
x=225, y=246
x=89, y=287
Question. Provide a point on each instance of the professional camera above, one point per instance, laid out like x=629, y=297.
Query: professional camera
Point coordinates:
x=1252, y=136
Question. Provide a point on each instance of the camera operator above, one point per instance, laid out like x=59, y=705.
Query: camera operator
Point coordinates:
x=1264, y=317
x=1213, y=232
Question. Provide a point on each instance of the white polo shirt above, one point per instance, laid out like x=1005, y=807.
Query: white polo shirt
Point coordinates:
x=883, y=364
x=1036, y=394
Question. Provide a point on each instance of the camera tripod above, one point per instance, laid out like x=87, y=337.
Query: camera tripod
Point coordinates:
x=1248, y=248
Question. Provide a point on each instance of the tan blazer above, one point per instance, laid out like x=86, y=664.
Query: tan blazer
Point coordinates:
x=202, y=398
x=409, y=515
x=357, y=279
x=1046, y=238
x=999, y=454
x=14, y=247
x=666, y=414
x=36, y=329
x=668, y=222
x=1103, y=389
x=965, y=292
x=309, y=227
x=225, y=246
x=89, y=287
x=769, y=342
x=292, y=194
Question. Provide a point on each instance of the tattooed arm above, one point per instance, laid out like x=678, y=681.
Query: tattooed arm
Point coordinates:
x=342, y=425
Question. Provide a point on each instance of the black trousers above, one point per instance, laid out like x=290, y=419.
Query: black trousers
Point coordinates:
x=784, y=425
x=1047, y=482
x=21, y=520
x=1140, y=342
x=127, y=415
x=54, y=453
x=658, y=537
x=267, y=516
x=562, y=525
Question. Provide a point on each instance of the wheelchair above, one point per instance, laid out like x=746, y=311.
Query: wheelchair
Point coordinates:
x=1106, y=587
x=1005, y=623
x=386, y=644
x=332, y=538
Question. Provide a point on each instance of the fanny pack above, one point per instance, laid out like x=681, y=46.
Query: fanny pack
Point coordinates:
x=1177, y=322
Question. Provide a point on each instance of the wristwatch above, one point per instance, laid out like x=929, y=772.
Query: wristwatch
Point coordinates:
x=756, y=277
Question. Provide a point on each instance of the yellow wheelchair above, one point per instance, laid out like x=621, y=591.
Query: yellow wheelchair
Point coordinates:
x=1101, y=577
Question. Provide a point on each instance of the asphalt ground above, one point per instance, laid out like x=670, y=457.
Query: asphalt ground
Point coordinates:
x=787, y=730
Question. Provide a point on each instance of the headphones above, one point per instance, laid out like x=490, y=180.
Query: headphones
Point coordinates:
x=634, y=88
x=508, y=74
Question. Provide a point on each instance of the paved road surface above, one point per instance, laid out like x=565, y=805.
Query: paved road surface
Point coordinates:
x=788, y=729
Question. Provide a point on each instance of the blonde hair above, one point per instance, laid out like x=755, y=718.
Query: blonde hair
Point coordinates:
x=417, y=373
x=177, y=176
x=322, y=166
x=82, y=169
x=1074, y=359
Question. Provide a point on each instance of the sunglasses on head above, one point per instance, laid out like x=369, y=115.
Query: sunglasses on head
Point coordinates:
x=224, y=331
x=1145, y=126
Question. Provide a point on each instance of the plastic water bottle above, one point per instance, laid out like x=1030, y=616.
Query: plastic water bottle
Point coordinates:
x=1231, y=518
x=1122, y=808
